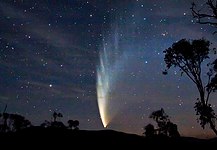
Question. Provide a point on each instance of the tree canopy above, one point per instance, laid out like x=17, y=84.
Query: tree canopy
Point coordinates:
x=188, y=56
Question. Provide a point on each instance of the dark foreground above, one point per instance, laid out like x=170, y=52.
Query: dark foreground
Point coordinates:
x=105, y=139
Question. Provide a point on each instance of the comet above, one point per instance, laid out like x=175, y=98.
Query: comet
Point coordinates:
x=103, y=87
x=106, y=74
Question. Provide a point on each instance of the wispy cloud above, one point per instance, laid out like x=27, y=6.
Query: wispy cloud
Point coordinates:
x=3, y=98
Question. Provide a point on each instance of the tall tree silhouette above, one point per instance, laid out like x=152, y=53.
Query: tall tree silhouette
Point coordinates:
x=206, y=13
x=189, y=56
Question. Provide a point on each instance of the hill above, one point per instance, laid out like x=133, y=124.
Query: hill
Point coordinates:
x=38, y=137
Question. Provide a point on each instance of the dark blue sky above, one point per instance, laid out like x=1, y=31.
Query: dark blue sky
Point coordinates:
x=49, y=53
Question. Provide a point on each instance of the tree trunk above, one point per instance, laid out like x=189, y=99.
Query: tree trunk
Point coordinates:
x=212, y=126
x=202, y=98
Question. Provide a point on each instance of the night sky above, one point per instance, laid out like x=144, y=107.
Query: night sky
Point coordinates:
x=50, y=52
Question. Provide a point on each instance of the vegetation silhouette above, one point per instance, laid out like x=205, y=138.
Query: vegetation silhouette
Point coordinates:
x=58, y=124
x=189, y=56
x=56, y=115
x=54, y=133
x=149, y=130
x=206, y=13
x=13, y=122
x=73, y=124
x=165, y=126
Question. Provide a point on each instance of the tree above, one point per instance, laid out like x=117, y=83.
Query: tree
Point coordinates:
x=165, y=126
x=161, y=119
x=18, y=122
x=189, y=56
x=4, y=122
x=172, y=129
x=54, y=123
x=13, y=122
x=46, y=124
x=57, y=124
x=54, y=116
x=149, y=130
x=57, y=115
x=206, y=14
x=73, y=124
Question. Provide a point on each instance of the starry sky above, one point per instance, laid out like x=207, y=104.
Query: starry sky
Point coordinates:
x=50, y=52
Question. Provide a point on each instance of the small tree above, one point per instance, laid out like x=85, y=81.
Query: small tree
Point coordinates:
x=57, y=115
x=73, y=124
x=172, y=130
x=46, y=124
x=165, y=126
x=149, y=130
x=161, y=119
x=189, y=56
x=54, y=116
x=54, y=123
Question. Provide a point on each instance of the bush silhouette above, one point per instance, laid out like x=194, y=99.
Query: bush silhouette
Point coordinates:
x=73, y=124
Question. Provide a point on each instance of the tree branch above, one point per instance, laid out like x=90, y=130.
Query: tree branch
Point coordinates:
x=203, y=18
x=183, y=69
x=207, y=22
x=209, y=90
x=210, y=3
